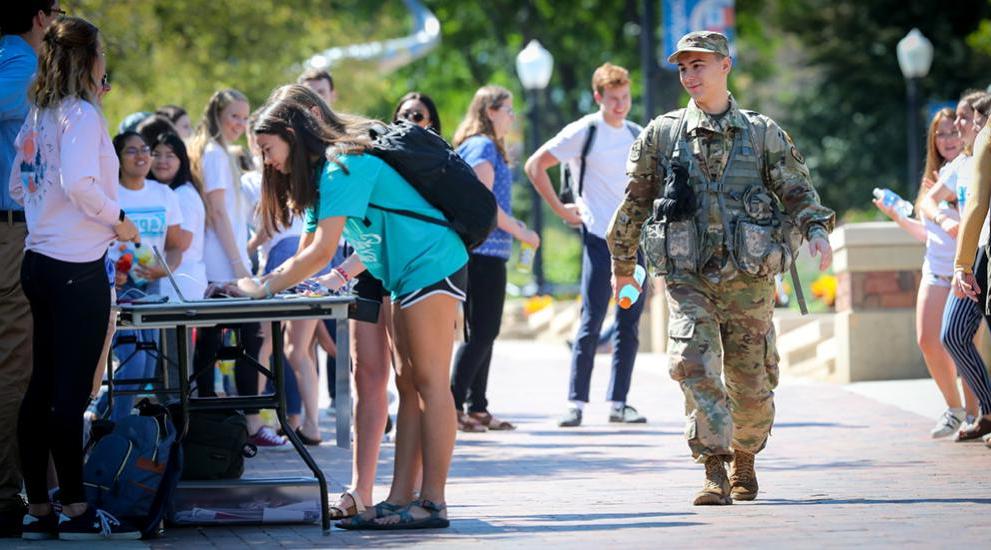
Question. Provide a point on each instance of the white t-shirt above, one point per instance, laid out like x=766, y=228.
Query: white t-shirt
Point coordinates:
x=605, y=167
x=217, y=176
x=251, y=182
x=960, y=174
x=940, y=246
x=153, y=209
x=191, y=274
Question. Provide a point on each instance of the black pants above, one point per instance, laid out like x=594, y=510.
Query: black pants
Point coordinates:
x=208, y=343
x=486, y=296
x=70, y=303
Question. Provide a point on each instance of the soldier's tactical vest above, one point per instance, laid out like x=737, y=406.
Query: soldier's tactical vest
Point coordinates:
x=747, y=233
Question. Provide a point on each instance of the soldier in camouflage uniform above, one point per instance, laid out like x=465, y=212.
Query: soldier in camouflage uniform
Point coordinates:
x=719, y=257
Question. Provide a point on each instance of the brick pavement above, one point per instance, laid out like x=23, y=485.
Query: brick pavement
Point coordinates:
x=840, y=470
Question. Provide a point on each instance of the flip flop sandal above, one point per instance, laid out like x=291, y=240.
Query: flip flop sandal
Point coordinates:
x=407, y=521
x=491, y=422
x=341, y=511
x=308, y=440
x=359, y=523
x=470, y=425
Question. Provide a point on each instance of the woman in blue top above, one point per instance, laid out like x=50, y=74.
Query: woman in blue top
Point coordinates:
x=324, y=174
x=479, y=140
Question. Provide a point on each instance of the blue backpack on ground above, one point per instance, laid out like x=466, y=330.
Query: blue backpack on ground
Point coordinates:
x=132, y=472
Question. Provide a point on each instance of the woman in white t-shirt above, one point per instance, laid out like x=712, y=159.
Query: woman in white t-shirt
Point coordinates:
x=225, y=246
x=937, y=223
x=170, y=166
x=155, y=210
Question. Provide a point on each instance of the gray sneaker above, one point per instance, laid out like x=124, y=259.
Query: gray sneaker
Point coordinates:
x=571, y=419
x=626, y=415
x=949, y=423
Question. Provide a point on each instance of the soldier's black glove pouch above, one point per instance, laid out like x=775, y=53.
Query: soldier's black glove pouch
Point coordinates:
x=677, y=200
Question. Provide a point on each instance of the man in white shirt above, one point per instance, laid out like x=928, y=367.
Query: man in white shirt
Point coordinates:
x=595, y=148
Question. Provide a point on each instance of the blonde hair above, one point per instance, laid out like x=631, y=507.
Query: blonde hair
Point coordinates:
x=208, y=131
x=68, y=53
x=477, y=121
x=609, y=76
x=934, y=160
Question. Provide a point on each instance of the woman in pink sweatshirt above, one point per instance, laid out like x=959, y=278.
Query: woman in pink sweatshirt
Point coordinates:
x=65, y=175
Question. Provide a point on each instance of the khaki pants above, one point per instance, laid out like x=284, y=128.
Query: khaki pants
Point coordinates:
x=15, y=356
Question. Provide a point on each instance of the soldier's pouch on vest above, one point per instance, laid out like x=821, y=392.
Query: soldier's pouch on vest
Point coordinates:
x=758, y=249
x=653, y=244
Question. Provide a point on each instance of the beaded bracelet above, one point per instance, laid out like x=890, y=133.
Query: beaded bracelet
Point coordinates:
x=343, y=273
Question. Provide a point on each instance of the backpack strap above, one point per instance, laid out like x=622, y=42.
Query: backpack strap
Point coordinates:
x=586, y=148
x=408, y=214
x=633, y=128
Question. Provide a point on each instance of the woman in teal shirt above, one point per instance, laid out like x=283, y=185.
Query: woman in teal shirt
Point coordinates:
x=325, y=175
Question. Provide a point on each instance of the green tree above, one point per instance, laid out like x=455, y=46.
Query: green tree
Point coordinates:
x=848, y=117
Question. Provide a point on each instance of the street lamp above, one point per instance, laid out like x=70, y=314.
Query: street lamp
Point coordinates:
x=534, y=66
x=915, y=56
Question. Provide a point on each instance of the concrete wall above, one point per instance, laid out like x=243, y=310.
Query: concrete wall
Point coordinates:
x=878, y=269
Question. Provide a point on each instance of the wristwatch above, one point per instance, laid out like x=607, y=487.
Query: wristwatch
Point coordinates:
x=121, y=216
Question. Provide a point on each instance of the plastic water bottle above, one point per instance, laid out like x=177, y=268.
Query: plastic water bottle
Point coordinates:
x=891, y=199
x=628, y=295
x=525, y=262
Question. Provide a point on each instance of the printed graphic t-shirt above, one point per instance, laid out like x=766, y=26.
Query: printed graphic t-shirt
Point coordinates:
x=405, y=253
x=153, y=208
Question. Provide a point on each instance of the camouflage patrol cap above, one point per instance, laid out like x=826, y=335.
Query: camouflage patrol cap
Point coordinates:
x=701, y=41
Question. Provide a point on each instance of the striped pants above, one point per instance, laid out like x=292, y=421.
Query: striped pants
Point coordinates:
x=961, y=321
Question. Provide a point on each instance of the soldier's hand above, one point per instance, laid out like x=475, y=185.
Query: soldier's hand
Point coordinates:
x=619, y=281
x=819, y=246
x=571, y=214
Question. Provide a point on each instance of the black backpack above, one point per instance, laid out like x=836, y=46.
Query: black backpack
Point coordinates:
x=567, y=191
x=215, y=445
x=442, y=177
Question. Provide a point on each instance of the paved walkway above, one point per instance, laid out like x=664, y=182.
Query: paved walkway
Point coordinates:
x=841, y=470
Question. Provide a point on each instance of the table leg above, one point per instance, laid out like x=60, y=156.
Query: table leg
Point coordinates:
x=343, y=385
x=182, y=347
x=279, y=371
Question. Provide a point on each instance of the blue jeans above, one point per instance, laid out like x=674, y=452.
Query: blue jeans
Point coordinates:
x=134, y=363
x=595, y=293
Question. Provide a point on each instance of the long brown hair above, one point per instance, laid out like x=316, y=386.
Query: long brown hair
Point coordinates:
x=69, y=50
x=477, y=121
x=307, y=98
x=312, y=143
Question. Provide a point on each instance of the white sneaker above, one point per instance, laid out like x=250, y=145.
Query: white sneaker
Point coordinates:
x=949, y=423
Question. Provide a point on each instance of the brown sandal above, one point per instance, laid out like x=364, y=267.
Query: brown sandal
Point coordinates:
x=470, y=424
x=341, y=510
x=491, y=422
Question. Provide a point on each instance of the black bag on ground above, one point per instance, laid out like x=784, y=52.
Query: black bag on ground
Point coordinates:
x=442, y=177
x=216, y=445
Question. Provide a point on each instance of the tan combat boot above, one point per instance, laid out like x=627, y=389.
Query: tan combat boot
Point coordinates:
x=742, y=477
x=715, y=492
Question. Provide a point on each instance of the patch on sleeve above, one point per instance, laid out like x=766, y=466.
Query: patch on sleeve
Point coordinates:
x=636, y=150
x=796, y=155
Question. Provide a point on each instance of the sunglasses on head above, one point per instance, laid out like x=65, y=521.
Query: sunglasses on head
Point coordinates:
x=413, y=116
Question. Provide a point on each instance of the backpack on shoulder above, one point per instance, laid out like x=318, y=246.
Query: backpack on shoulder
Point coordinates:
x=132, y=471
x=442, y=177
x=569, y=190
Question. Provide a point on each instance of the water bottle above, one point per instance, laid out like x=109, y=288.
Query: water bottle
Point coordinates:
x=891, y=199
x=628, y=295
x=525, y=262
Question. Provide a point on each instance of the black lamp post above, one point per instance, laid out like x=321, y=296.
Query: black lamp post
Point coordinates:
x=534, y=65
x=915, y=55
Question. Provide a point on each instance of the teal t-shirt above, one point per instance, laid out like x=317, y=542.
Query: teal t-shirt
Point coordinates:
x=405, y=253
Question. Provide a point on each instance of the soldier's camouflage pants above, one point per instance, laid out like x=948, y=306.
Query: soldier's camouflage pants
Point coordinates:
x=719, y=331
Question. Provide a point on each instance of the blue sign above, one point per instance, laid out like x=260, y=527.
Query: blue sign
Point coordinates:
x=684, y=16
x=935, y=105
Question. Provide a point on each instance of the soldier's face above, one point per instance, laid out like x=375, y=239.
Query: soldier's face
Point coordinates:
x=702, y=74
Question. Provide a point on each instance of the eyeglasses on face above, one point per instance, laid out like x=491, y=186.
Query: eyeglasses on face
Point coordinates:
x=947, y=135
x=413, y=116
x=131, y=151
